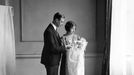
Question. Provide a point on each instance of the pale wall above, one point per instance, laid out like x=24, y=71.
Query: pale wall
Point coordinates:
x=90, y=20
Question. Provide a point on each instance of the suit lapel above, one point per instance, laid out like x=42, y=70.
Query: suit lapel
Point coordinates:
x=55, y=33
x=58, y=36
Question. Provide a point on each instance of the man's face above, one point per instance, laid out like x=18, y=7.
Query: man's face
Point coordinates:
x=60, y=22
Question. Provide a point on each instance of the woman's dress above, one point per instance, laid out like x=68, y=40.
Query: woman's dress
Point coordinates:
x=75, y=54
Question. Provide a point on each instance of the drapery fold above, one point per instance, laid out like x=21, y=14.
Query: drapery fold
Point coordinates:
x=7, y=41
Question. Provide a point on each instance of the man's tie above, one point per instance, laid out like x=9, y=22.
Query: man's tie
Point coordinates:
x=58, y=36
x=57, y=32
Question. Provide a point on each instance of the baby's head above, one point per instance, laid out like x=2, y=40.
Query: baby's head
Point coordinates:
x=70, y=27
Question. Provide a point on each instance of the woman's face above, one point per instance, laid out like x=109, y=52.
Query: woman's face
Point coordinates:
x=73, y=29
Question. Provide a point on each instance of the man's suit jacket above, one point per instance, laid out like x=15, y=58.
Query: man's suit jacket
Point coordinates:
x=52, y=50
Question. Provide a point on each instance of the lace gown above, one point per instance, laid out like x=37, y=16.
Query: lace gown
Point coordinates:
x=75, y=54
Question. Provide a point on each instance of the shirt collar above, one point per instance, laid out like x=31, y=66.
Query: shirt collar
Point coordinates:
x=54, y=26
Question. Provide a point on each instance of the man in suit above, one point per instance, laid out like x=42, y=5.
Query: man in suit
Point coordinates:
x=53, y=48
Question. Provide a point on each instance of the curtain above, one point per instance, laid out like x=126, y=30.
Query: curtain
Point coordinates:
x=106, y=55
x=118, y=38
x=7, y=41
x=130, y=38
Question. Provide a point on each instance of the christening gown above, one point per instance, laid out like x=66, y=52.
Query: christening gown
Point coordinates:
x=75, y=54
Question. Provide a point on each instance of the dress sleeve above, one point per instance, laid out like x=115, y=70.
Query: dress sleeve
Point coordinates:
x=83, y=43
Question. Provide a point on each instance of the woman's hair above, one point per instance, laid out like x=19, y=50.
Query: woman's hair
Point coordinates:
x=69, y=25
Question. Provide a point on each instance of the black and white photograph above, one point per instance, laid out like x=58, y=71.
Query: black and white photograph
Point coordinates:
x=66, y=37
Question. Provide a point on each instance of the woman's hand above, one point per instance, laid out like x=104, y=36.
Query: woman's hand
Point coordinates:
x=68, y=46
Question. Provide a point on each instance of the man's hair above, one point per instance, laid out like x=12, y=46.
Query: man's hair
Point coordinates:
x=69, y=25
x=58, y=16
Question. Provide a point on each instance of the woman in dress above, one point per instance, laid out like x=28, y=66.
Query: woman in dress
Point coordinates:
x=75, y=46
